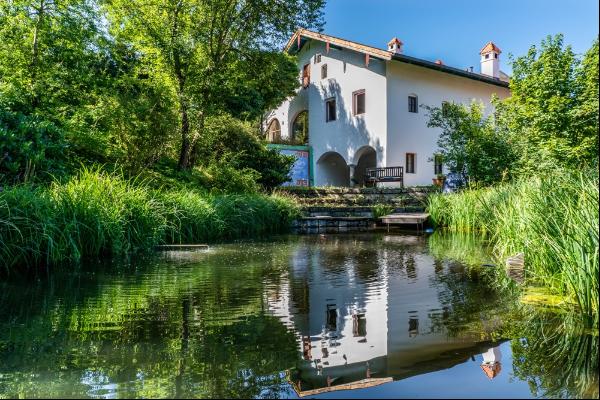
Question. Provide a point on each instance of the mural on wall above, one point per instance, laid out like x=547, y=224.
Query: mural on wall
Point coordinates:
x=300, y=172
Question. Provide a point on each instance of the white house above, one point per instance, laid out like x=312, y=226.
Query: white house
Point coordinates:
x=359, y=106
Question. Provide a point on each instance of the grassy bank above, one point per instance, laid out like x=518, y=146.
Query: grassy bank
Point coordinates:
x=99, y=214
x=553, y=220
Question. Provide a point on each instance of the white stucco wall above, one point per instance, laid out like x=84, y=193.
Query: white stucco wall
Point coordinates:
x=386, y=126
x=348, y=134
x=408, y=132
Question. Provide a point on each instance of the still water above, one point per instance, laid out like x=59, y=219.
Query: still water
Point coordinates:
x=315, y=316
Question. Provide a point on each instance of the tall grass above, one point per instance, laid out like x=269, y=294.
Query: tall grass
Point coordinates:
x=552, y=220
x=99, y=214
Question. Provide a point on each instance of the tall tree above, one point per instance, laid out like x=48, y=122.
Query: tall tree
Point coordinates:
x=550, y=114
x=469, y=143
x=198, y=43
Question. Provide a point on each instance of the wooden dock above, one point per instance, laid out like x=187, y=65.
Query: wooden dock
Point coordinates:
x=362, y=384
x=182, y=247
x=417, y=219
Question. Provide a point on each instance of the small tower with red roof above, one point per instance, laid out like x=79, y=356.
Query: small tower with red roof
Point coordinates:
x=395, y=46
x=490, y=60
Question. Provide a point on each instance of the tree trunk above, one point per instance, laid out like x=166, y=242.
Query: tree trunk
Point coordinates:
x=193, y=159
x=35, y=55
x=184, y=154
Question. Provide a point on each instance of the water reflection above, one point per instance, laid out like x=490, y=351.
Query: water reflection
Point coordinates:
x=298, y=316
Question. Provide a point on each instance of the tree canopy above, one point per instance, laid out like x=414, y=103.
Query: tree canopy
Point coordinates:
x=549, y=122
x=134, y=82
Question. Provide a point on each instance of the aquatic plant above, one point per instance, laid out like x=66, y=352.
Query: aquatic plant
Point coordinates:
x=99, y=214
x=552, y=220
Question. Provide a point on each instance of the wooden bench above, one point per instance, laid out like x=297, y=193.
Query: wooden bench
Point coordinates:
x=384, y=174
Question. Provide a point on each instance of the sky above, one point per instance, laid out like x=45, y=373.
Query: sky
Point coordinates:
x=456, y=30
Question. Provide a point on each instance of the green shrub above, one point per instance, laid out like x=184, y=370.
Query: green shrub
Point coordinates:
x=29, y=145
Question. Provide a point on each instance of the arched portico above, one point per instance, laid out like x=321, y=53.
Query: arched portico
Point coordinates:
x=365, y=157
x=332, y=170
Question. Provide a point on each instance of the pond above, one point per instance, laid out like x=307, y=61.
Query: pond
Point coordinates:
x=370, y=315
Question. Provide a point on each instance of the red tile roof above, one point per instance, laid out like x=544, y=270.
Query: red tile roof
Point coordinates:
x=489, y=47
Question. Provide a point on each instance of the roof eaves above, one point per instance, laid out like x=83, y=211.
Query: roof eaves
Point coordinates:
x=449, y=70
x=386, y=55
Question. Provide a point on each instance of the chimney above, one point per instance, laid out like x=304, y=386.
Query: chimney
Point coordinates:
x=395, y=46
x=490, y=60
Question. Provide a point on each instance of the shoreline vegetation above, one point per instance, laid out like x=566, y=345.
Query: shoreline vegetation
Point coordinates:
x=552, y=220
x=96, y=214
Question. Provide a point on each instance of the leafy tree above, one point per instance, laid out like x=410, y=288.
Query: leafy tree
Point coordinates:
x=552, y=115
x=49, y=55
x=235, y=143
x=199, y=45
x=28, y=144
x=468, y=143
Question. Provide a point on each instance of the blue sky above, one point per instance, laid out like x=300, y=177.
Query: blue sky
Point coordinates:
x=454, y=31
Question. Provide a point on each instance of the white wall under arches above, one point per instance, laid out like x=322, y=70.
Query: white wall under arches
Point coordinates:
x=332, y=170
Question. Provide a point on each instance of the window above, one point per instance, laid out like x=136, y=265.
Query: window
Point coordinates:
x=317, y=58
x=324, y=71
x=495, y=55
x=330, y=110
x=300, y=128
x=274, y=131
x=438, y=166
x=487, y=56
x=445, y=106
x=412, y=104
x=410, y=163
x=306, y=76
x=358, y=102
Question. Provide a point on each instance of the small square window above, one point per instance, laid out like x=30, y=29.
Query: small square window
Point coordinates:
x=317, y=58
x=410, y=163
x=412, y=104
x=324, y=71
x=358, y=102
x=487, y=56
x=330, y=110
x=495, y=55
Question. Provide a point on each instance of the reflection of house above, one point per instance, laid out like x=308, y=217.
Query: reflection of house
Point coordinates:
x=491, y=362
x=359, y=106
x=354, y=328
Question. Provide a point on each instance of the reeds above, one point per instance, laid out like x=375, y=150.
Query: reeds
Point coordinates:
x=99, y=214
x=553, y=220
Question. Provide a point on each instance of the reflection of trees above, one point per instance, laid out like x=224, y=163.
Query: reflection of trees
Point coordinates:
x=551, y=351
x=159, y=330
x=556, y=356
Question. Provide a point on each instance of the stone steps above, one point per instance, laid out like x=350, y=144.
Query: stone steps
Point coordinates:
x=333, y=210
x=360, y=211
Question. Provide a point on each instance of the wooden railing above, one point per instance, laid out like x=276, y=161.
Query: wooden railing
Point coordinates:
x=384, y=174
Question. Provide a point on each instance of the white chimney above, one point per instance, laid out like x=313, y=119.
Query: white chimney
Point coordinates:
x=395, y=46
x=490, y=60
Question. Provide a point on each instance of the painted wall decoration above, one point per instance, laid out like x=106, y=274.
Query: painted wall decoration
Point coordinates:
x=300, y=172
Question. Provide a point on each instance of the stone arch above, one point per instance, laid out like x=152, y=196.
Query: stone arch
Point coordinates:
x=333, y=170
x=274, y=131
x=365, y=157
x=299, y=127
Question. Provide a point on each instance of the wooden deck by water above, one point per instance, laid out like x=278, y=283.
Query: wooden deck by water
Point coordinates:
x=417, y=219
